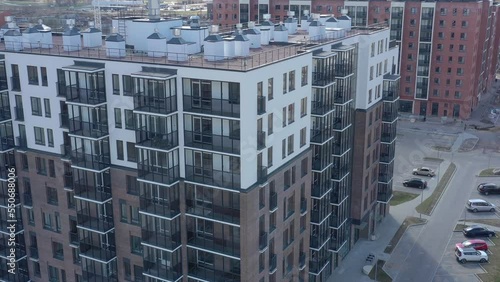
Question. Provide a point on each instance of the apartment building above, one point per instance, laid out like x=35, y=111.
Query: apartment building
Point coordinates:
x=448, y=54
x=142, y=165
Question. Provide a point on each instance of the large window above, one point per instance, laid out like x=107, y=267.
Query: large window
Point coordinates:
x=43, y=71
x=39, y=136
x=46, y=103
x=36, y=107
x=32, y=75
x=116, y=84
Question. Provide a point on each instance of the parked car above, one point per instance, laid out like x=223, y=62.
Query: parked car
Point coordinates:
x=415, y=182
x=423, y=171
x=488, y=188
x=478, y=231
x=475, y=205
x=469, y=254
x=476, y=244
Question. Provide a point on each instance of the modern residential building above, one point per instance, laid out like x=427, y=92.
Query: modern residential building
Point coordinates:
x=136, y=160
x=449, y=54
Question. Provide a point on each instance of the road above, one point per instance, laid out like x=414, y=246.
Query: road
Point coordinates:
x=424, y=257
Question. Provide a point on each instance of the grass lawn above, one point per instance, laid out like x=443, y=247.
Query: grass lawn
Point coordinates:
x=428, y=205
x=409, y=221
x=381, y=275
x=492, y=268
x=488, y=172
x=431, y=159
x=460, y=227
x=399, y=197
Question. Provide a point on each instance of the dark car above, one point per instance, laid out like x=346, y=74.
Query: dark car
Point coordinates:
x=478, y=231
x=488, y=188
x=415, y=182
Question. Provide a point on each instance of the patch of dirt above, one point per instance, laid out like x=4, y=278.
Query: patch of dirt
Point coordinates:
x=468, y=145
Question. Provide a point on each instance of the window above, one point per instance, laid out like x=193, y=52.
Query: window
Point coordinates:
x=371, y=73
x=270, y=89
x=461, y=48
x=463, y=36
x=410, y=57
x=458, y=94
x=283, y=148
x=460, y=71
x=435, y=92
x=127, y=269
x=441, y=23
x=291, y=113
x=47, y=221
x=441, y=35
x=413, y=11
x=46, y=103
x=119, y=150
x=303, y=134
x=129, y=120
x=284, y=116
x=50, y=137
x=123, y=211
x=413, y=22
x=291, y=81
x=51, y=196
x=39, y=136
x=118, y=118
x=71, y=200
x=53, y=274
x=43, y=71
x=443, y=11
x=461, y=60
x=135, y=245
x=464, y=24
x=410, y=45
x=32, y=75
x=454, y=23
x=436, y=80
x=131, y=152
x=52, y=169
x=290, y=144
x=134, y=216
x=24, y=161
x=128, y=85
x=466, y=12
x=440, y=47
x=303, y=107
x=284, y=83
x=439, y=58
x=31, y=217
x=259, y=89
x=270, y=157
x=36, y=107
x=452, y=35
x=36, y=268
x=116, y=84
x=270, y=121
x=132, y=187
x=304, y=77
x=57, y=251
x=408, y=67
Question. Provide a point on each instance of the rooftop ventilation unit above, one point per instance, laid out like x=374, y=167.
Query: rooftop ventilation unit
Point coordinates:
x=115, y=46
x=13, y=40
x=31, y=37
x=253, y=35
x=214, y=45
x=157, y=44
x=195, y=22
x=178, y=48
x=280, y=33
x=71, y=37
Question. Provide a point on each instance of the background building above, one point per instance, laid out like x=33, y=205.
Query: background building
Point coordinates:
x=142, y=165
x=449, y=54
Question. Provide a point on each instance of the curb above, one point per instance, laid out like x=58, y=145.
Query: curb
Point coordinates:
x=445, y=189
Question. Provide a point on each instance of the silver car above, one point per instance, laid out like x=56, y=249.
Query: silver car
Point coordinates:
x=423, y=171
x=477, y=205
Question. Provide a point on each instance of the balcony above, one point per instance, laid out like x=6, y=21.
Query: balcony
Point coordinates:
x=263, y=241
x=158, y=174
x=337, y=244
x=18, y=226
x=164, y=141
x=336, y=221
x=21, y=275
x=153, y=104
x=99, y=193
x=273, y=201
x=19, y=111
x=161, y=239
x=389, y=95
x=95, y=162
x=88, y=249
x=219, y=107
x=102, y=224
x=28, y=200
x=262, y=174
x=88, y=129
x=15, y=83
x=79, y=95
x=65, y=151
x=321, y=135
x=272, y=263
x=6, y=250
x=343, y=70
x=158, y=268
x=64, y=120
x=389, y=116
x=198, y=271
x=318, y=264
x=386, y=158
x=7, y=143
x=61, y=89
x=261, y=105
x=158, y=206
x=73, y=238
x=384, y=193
x=3, y=83
x=213, y=177
x=261, y=140
x=216, y=212
x=5, y=199
x=320, y=108
x=321, y=79
x=339, y=172
x=303, y=206
x=215, y=244
x=209, y=141
x=316, y=242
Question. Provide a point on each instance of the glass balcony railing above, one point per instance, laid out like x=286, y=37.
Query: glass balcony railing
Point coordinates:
x=94, y=277
x=7, y=143
x=226, y=246
x=5, y=113
x=200, y=272
x=219, y=107
x=213, y=211
x=262, y=174
x=95, y=162
x=272, y=263
x=76, y=94
x=152, y=104
x=221, y=143
x=156, y=267
x=88, y=129
x=220, y=178
x=64, y=120
x=320, y=108
x=164, y=141
x=73, y=238
x=158, y=174
x=158, y=206
x=161, y=239
x=100, y=193
x=101, y=224
x=27, y=199
x=93, y=250
x=303, y=206
x=3, y=83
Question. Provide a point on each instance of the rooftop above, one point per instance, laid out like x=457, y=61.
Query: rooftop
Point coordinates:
x=267, y=54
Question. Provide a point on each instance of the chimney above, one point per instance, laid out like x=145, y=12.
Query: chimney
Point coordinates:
x=157, y=44
x=253, y=35
x=71, y=37
x=154, y=10
x=280, y=33
x=92, y=37
x=32, y=38
x=115, y=45
x=178, y=48
x=214, y=45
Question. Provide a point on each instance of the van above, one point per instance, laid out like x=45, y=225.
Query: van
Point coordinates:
x=477, y=205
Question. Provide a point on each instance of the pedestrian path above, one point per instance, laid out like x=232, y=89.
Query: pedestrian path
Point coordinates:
x=404, y=246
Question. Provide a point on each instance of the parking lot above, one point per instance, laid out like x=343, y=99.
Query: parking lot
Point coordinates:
x=431, y=181
x=494, y=199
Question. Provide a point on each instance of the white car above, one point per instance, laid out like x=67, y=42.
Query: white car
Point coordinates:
x=478, y=205
x=423, y=171
x=469, y=254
